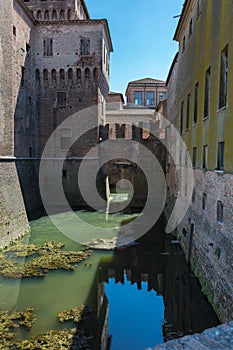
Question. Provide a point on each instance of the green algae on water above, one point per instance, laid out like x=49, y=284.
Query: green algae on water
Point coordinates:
x=76, y=314
x=51, y=340
x=50, y=256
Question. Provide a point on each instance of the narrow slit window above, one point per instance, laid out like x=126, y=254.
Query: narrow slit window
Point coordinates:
x=223, y=78
x=188, y=112
x=195, y=103
x=194, y=157
x=207, y=93
x=205, y=155
x=181, y=116
x=220, y=211
x=204, y=200
x=220, y=156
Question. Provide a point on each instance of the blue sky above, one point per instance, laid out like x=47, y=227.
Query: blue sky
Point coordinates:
x=142, y=35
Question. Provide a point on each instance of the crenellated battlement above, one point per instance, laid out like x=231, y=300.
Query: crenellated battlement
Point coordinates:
x=80, y=78
x=54, y=10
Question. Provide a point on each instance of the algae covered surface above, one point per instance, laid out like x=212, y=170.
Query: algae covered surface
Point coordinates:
x=49, y=256
x=38, y=261
x=51, y=340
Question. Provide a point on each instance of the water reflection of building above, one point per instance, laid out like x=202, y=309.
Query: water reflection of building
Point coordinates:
x=164, y=271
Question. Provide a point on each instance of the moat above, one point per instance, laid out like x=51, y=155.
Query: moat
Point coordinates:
x=136, y=298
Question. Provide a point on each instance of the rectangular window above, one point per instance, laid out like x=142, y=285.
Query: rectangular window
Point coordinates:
x=85, y=46
x=223, y=78
x=61, y=99
x=194, y=157
x=195, y=103
x=150, y=98
x=220, y=211
x=207, y=93
x=181, y=116
x=14, y=30
x=48, y=47
x=204, y=157
x=188, y=112
x=65, y=138
x=138, y=98
x=220, y=158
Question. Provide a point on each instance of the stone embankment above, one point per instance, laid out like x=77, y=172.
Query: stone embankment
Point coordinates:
x=217, y=338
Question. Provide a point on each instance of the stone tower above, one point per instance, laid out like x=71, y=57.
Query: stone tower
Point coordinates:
x=65, y=69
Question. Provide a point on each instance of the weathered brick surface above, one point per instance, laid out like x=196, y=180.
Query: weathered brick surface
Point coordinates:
x=13, y=219
x=6, y=63
x=211, y=248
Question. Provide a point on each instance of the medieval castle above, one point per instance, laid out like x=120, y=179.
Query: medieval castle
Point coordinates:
x=54, y=62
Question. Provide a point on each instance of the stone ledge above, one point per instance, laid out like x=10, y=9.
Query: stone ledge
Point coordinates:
x=220, y=337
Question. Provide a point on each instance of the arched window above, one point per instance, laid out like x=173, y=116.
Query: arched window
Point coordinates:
x=95, y=76
x=62, y=14
x=69, y=14
x=70, y=77
x=62, y=78
x=39, y=15
x=87, y=77
x=54, y=15
x=54, y=78
x=79, y=77
x=37, y=78
x=46, y=15
x=46, y=78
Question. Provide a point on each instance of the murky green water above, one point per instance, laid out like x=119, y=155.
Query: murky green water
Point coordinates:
x=147, y=286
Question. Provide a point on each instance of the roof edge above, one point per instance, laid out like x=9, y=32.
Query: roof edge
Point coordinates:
x=179, y=25
x=85, y=9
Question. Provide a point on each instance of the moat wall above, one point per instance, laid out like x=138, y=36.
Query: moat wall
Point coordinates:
x=13, y=219
x=207, y=241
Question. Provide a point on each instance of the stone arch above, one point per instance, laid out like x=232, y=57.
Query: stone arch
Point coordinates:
x=62, y=15
x=70, y=78
x=87, y=77
x=46, y=15
x=79, y=77
x=62, y=78
x=39, y=15
x=54, y=15
x=54, y=78
x=95, y=76
x=46, y=78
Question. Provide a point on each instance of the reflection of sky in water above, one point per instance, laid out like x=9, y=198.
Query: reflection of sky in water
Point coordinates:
x=135, y=316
